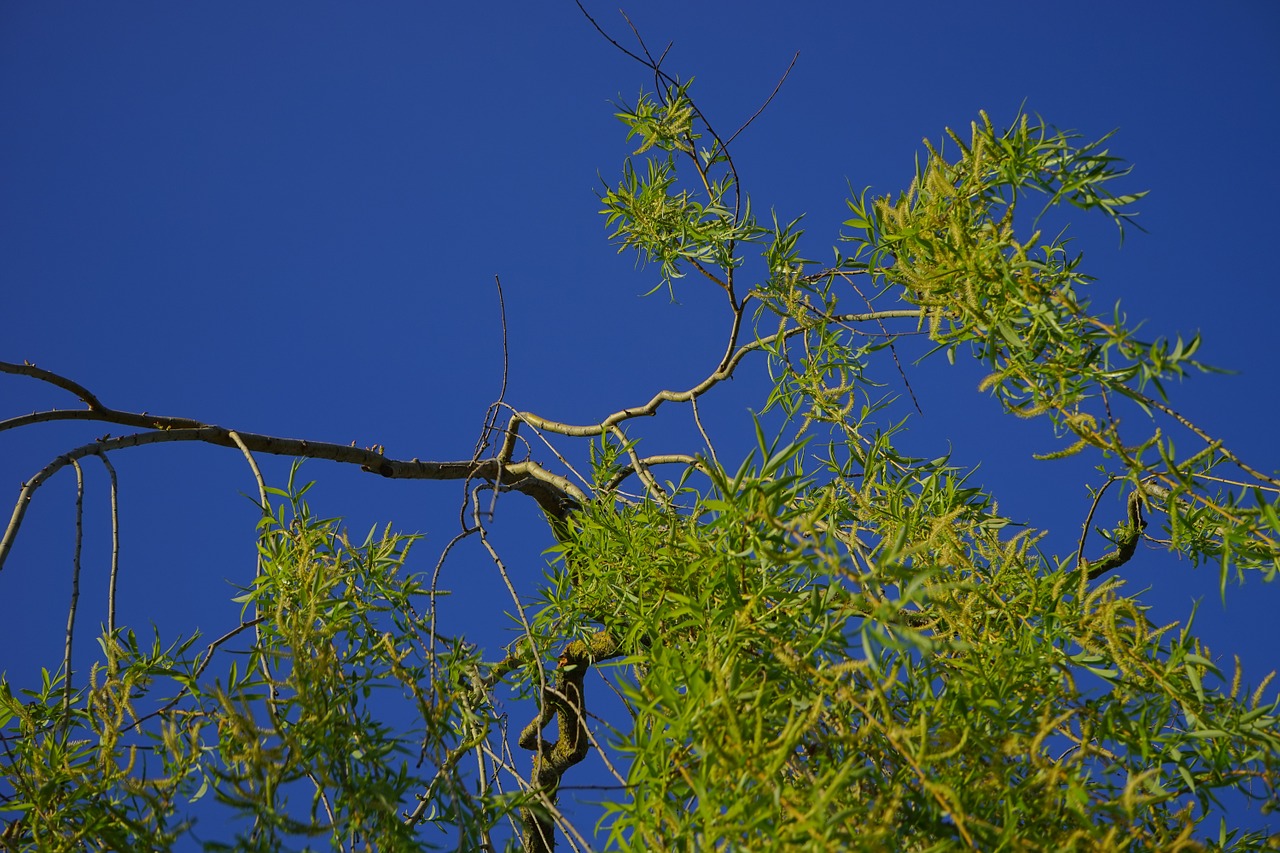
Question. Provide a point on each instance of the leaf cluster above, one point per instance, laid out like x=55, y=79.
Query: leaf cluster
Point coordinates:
x=821, y=665
x=319, y=729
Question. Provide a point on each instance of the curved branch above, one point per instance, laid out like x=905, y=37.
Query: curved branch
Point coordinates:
x=639, y=468
x=1088, y=521
x=734, y=330
x=1126, y=539
x=555, y=494
x=663, y=459
x=101, y=414
x=767, y=101
x=650, y=408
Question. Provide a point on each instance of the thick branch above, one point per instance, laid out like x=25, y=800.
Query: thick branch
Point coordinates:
x=566, y=702
x=1126, y=538
x=555, y=494
x=27, y=369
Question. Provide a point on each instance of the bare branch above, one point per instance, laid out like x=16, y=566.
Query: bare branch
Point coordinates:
x=102, y=415
x=734, y=330
x=28, y=369
x=257, y=560
x=502, y=316
x=651, y=407
x=115, y=543
x=693, y=404
x=75, y=586
x=554, y=451
x=433, y=658
x=767, y=100
x=555, y=494
x=253, y=466
x=655, y=491
x=1088, y=521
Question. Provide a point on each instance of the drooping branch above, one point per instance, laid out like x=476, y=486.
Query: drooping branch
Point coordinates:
x=28, y=369
x=75, y=587
x=556, y=495
x=115, y=543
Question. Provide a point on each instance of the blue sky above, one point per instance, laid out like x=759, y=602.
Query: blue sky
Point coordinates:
x=286, y=218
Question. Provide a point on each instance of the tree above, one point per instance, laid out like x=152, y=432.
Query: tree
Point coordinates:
x=828, y=644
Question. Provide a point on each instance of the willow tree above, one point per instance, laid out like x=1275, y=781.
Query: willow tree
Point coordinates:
x=828, y=644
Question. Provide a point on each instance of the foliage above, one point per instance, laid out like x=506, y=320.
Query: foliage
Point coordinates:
x=830, y=645
x=322, y=731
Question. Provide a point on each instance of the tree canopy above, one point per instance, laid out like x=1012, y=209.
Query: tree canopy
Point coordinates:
x=826, y=644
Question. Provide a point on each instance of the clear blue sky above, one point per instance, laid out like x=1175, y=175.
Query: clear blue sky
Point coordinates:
x=286, y=218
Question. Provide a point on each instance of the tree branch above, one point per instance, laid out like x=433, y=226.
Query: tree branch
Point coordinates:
x=554, y=494
x=1143, y=399
x=1126, y=537
x=650, y=408
x=663, y=459
x=29, y=369
x=567, y=704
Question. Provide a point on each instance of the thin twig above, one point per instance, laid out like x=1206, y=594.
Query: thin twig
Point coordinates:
x=515, y=600
x=435, y=590
x=893, y=350
x=767, y=100
x=1201, y=434
x=1126, y=540
x=200, y=668
x=693, y=404
x=1225, y=481
x=1088, y=521
x=253, y=466
x=735, y=329
x=257, y=561
x=502, y=316
x=491, y=415
x=75, y=585
x=115, y=543
x=604, y=756
x=656, y=492
x=642, y=465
